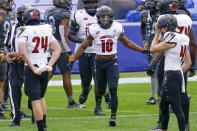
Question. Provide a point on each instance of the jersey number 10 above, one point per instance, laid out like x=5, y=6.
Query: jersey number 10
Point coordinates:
x=38, y=40
x=107, y=45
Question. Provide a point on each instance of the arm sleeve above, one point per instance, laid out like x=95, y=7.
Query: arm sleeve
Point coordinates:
x=170, y=37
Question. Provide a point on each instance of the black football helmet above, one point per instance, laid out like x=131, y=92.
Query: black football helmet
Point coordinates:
x=20, y=12
x=107, y=13
x=169, y=6
x=6, y=4
x=150, y=5
x=168, y=21
x=31, y=17
x=90, y=6
x=65, y=4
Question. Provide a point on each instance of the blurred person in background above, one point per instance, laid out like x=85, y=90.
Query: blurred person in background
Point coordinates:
x=149, y=18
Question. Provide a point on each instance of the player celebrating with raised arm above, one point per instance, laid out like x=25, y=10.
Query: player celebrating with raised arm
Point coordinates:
x=34, y=41
x=106, y=35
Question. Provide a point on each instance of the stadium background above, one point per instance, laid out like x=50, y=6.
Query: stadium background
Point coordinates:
x=129, y=61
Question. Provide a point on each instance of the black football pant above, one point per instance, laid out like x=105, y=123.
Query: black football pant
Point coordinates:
x=15, y=85
x=107, y=72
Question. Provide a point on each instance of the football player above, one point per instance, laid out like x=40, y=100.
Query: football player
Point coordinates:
x=175, y=47
x=59, y=17
x=185, y=27
x=106, y=35
x=78, y=30
x=33, y=42
x=5, y=6
x=16, y=69
x=149, y=18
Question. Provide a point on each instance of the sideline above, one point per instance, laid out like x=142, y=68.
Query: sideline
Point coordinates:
x=121, y=81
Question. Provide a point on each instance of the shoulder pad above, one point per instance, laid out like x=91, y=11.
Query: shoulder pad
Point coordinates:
x=20, y=30
x=169, y=37
x=60, y=14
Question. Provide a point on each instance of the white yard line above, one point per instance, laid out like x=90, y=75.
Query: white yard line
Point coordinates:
x=94, y=117
x=121, y=81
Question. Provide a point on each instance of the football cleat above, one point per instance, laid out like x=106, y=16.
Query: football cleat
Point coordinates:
x=84, y=95
x=14, y=124
x=5, y=108
x=22, y=114
x=98, y=112
x=75, y=105
x=152, y=101
x=158, y=128
x=112, y=121
x=2, y=115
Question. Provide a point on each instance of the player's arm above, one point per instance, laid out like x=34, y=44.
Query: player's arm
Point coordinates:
x=130, y=44
x=55, y=47
x=73, y=29
x=82, y=47
x=65, y=24
x=192, y=45
x=23, y=52
x=187, y=62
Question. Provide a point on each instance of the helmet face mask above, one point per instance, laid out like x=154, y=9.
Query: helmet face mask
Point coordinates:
x=20, y=12
x=90, y=6
x=105, y=17
x=6, y=4
x=65, y=4
x=150, y=5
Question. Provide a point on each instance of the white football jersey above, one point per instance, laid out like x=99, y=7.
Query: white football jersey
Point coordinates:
x=84, y=20
x=106, y=39
x=174, y=56
x=37, y=39
x=184, y=23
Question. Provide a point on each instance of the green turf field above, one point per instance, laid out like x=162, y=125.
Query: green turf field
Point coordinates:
x=133, y=112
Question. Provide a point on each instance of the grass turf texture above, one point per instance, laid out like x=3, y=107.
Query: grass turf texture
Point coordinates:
x=133, y=112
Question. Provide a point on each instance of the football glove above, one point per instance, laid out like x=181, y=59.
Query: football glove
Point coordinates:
x=70, y=57
x=191, y=71
x=70, y=66
x=1, y=58
x=145, y=45
x=151, y=68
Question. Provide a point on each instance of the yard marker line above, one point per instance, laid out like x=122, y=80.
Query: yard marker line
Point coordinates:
x=121, y=81
x=96, y=117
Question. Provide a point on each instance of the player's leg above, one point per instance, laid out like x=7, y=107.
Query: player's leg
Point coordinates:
x=185, y=103
x=160, y=76
x=154, y=84
x=44, y=83
x=61, y=63
x=33, y=90
x=15, y=84
x=101, y=81
x=112, y=79
x=85, y=70
x=3, y=75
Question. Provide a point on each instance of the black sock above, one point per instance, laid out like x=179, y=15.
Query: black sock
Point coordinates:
x=40, y=125
x=98, y=101
x=44, y=119
x=159, y=118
